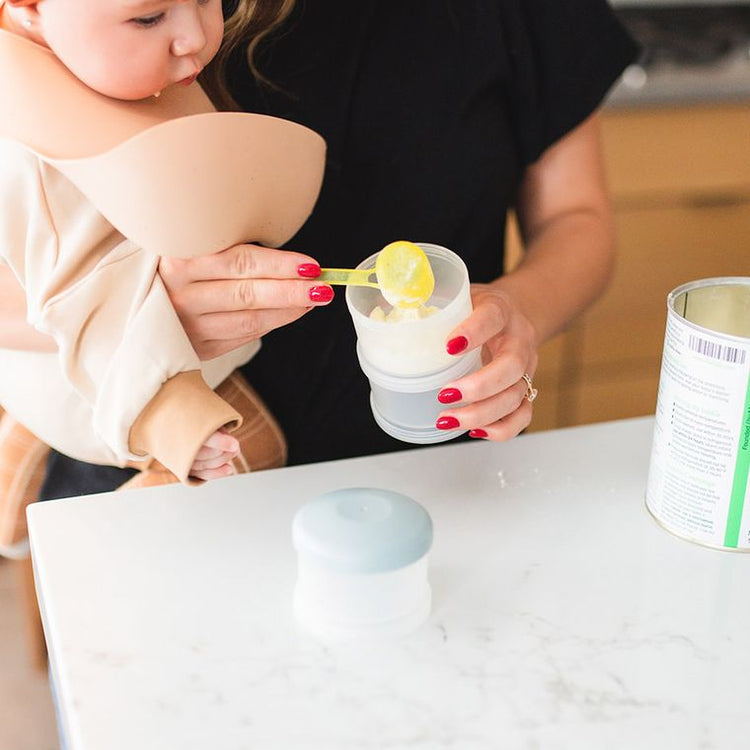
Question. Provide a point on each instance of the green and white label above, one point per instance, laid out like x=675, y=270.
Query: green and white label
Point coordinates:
x=698, y=478
x=739, y=484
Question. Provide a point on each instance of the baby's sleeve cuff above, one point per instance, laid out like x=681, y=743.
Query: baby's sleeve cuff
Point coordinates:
x=178, y=420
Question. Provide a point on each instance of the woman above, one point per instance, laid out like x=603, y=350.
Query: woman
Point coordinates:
x=439, y=117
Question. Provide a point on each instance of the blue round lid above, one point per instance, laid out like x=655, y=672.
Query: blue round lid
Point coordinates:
x=362, y=530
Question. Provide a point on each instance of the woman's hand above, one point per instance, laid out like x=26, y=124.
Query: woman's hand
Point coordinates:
x=495, y=395
x=230, y=298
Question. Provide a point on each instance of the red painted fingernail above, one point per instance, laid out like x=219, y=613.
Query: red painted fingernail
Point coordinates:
x=457, y=345
x=321, y=294
x=477, y=433
x=447, y=423
x=449, y=396
x=309, y=270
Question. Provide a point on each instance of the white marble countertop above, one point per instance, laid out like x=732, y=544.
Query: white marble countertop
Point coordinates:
x=563, y=615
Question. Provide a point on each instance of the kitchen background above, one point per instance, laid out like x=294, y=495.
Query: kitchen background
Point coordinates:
x=676, y=136
x=676, y=133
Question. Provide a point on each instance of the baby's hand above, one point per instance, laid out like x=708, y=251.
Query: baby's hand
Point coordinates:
x=214, y=459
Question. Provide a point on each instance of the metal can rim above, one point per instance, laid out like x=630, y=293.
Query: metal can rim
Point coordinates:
x=701, y=284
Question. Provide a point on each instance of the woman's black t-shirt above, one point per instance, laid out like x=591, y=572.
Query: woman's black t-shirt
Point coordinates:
x=431, y=111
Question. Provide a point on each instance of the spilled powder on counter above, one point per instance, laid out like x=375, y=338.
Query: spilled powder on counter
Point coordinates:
x=401, y=314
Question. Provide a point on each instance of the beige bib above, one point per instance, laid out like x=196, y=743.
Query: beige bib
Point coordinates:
x=169, y=173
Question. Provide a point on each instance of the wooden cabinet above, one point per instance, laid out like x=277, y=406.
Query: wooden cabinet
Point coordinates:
x=680, y=185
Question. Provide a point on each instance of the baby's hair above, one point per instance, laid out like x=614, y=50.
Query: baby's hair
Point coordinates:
x=247, y=24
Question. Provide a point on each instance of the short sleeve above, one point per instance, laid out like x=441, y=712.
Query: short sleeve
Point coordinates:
x=563, y=57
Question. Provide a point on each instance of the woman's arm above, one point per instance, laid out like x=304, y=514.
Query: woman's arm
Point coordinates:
x=15, y=332
x=566, y=222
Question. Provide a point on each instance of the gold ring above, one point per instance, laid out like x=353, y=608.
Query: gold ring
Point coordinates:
x=531, y=392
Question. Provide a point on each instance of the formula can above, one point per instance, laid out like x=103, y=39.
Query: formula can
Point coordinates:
x=698, y=476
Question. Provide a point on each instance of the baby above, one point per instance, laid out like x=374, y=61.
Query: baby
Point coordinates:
x=112, y=155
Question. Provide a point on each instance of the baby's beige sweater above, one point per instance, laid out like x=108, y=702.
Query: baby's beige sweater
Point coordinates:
x=125, y=374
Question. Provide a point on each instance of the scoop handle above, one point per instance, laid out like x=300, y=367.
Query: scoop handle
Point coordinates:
x=349, y=276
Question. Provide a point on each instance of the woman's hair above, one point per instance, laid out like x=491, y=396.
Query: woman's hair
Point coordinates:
x=245, y=26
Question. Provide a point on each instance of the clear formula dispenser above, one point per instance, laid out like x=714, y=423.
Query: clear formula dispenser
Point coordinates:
x=406, y=362
x=362, y=564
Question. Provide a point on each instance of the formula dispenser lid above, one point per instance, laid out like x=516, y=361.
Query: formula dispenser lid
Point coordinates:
x=362, y=530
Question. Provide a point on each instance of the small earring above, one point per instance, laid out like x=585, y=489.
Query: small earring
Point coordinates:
x=157, y=94
x=27, y=23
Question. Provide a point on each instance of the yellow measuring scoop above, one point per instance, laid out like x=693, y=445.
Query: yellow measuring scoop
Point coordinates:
x=402, y=273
